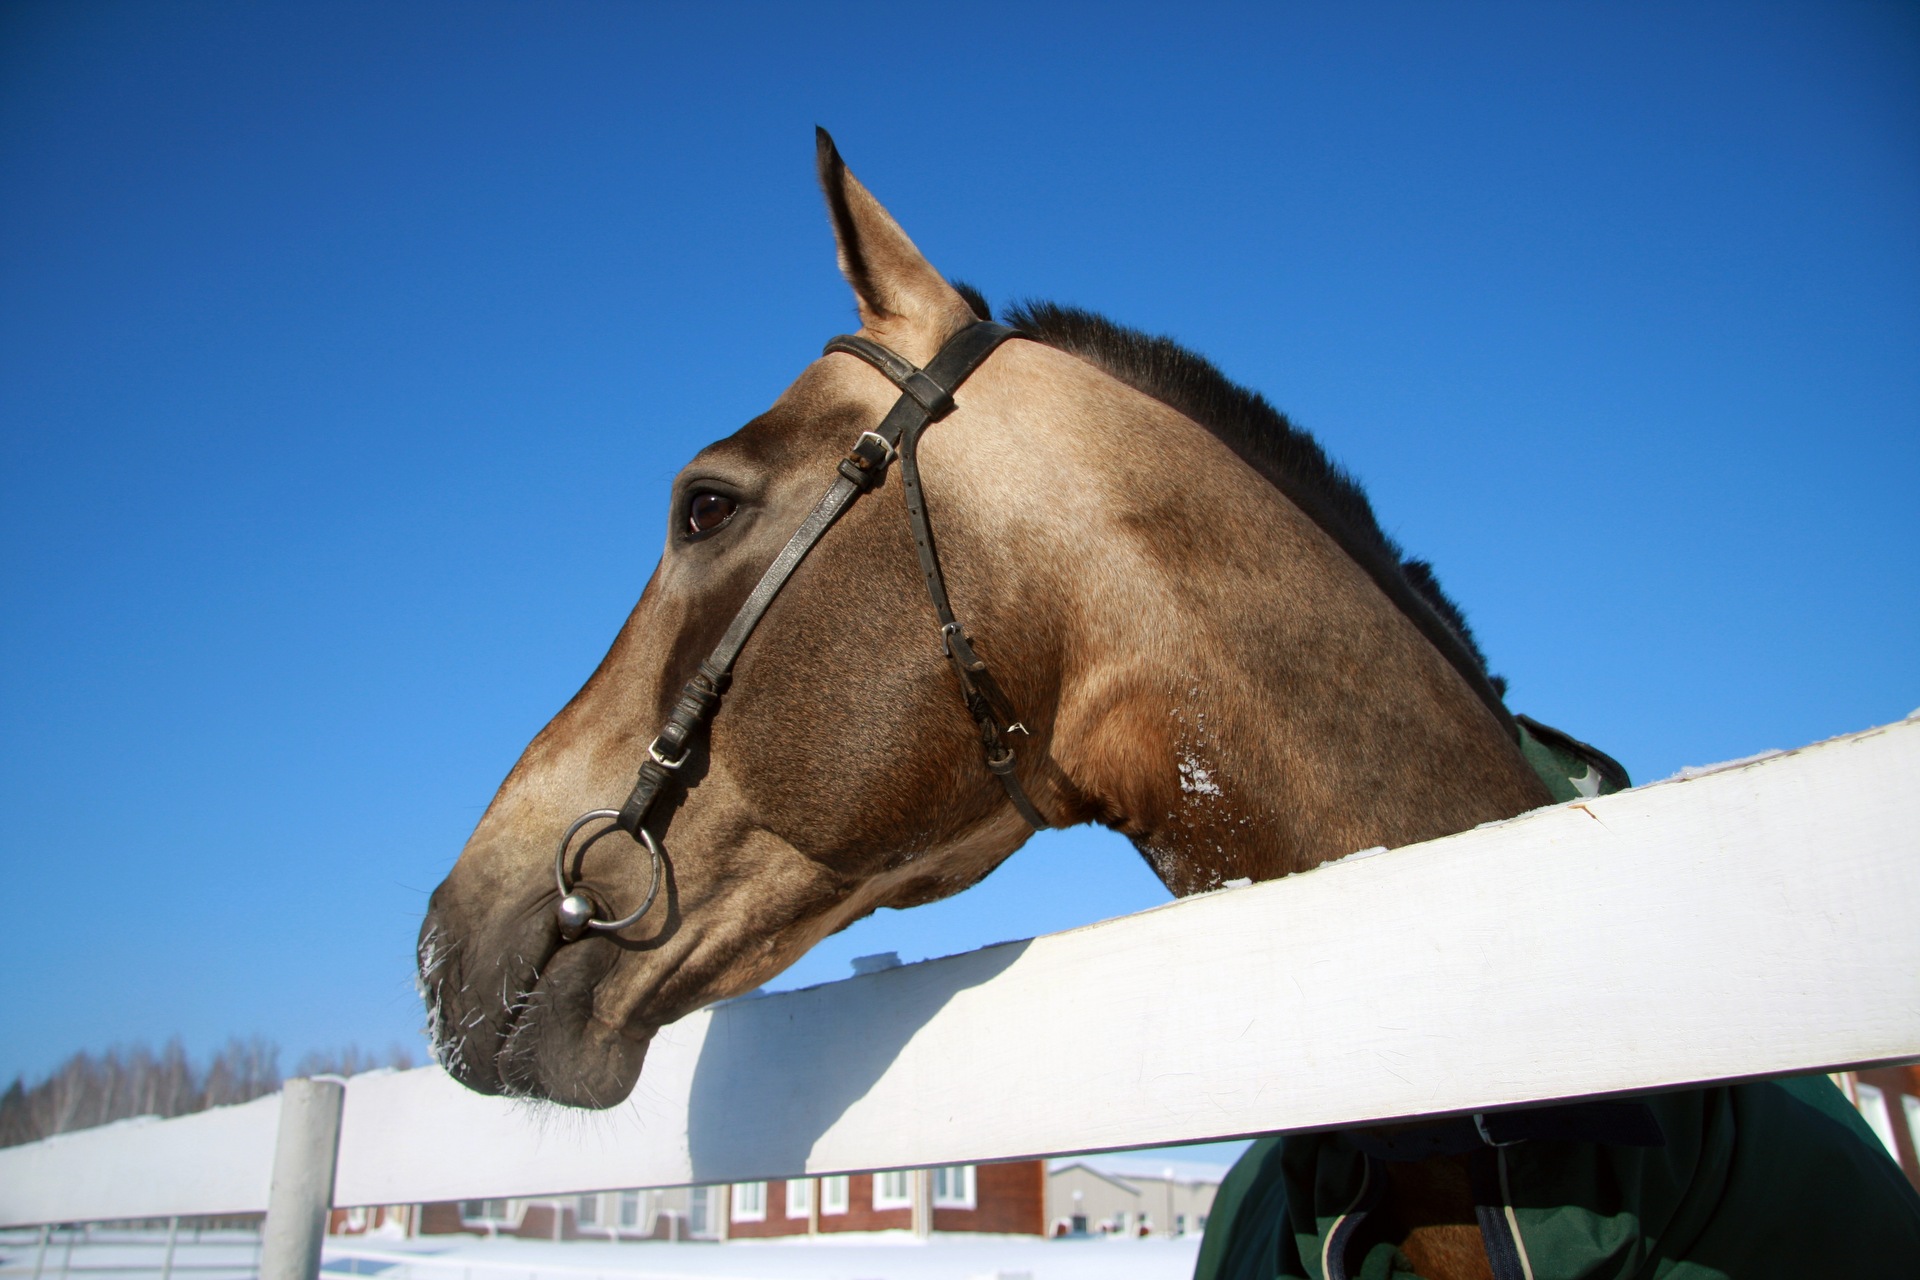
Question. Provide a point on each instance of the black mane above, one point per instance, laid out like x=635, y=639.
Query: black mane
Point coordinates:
x=1260, y=434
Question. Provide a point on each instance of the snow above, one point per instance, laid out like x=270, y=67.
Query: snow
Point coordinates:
x=886, y=1255
x=1195, y=778
x=1693, y=771
x=876, y=1256
x=1360, y=855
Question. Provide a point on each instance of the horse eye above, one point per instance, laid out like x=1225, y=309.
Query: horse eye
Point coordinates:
x=708, y=511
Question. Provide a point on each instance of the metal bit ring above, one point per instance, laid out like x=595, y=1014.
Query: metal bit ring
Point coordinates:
x=576, y=909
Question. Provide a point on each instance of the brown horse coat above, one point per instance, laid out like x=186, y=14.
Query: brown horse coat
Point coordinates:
x=1209, y=657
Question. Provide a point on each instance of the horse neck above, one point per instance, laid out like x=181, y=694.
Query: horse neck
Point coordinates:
x=1254, y=705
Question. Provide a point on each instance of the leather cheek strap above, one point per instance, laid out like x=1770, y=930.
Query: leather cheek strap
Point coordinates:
x=926, y=395
x=986, y=702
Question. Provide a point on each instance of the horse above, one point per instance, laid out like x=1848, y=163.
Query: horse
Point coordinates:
x=1154, y=603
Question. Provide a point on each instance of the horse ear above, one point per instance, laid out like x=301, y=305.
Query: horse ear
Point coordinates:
x=903, y=301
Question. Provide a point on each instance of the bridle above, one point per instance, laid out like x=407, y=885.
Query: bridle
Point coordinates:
x=926, y=396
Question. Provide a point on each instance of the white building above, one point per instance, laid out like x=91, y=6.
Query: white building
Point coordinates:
x=1132, y=1195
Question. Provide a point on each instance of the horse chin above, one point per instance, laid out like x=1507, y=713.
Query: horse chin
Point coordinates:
x=557, y=1051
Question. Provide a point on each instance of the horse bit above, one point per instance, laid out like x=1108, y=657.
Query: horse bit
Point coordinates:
x=926, y=396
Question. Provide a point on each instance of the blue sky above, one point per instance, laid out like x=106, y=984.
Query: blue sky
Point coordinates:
x=346, y=352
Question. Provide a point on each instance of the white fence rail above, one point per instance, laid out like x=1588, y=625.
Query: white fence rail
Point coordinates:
x=215, y=1162
x=74, y=1252
x=1761, y=919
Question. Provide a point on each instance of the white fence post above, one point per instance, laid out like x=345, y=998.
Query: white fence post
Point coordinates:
x=921, y=1180
x=302, y=1190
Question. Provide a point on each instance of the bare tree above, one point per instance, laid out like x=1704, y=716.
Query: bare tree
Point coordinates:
x=132, y=1080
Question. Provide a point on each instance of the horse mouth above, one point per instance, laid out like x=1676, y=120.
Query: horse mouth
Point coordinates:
x=521, y=1023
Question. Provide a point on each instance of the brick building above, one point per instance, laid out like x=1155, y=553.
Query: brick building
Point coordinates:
x=998, y=1199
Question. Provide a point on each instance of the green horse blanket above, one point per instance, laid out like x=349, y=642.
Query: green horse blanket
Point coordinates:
x=1739, y=1182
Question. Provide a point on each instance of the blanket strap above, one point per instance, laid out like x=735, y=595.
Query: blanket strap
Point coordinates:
x=1484, y=1137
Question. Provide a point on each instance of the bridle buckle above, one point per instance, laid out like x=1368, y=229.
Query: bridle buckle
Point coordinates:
x=654, y=754
x=865, y=445
x=870, y=456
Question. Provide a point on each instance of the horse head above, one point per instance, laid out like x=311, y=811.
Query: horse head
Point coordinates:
x=1201, y=641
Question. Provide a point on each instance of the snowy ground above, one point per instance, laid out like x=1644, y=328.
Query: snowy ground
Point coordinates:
x=140, y=1255
x=881, y=1256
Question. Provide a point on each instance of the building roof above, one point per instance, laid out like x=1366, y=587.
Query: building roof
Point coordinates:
x=1130, y=1168
x=1067, y=1166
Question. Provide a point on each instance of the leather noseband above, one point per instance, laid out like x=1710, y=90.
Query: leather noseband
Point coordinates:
x=926, y=396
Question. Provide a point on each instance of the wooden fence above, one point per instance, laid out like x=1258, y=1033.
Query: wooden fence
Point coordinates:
x=1758, y=919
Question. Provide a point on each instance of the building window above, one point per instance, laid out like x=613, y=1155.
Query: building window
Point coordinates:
x=1873, y=1108
x=629, y=1208
x=749, y=1202
x=700, y=1212
x=799, y=1197
x=835, y=1194
x=587, y=1210
x=892, y=1190
x=1179, y=1224
x=484, y=1211
x=953, y=1187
